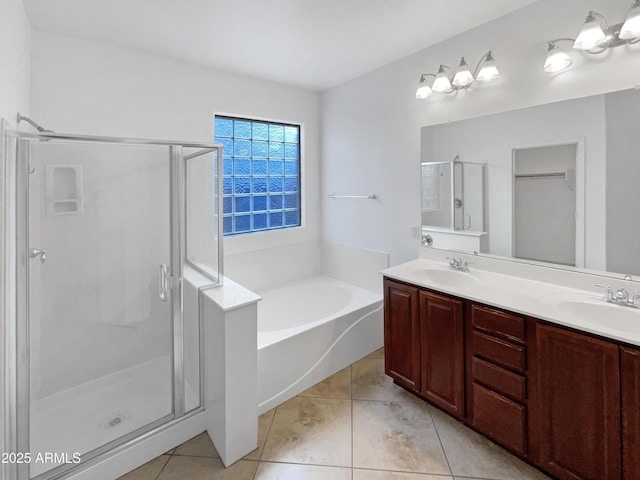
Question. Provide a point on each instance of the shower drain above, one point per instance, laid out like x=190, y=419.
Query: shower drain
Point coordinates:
x=114, y=422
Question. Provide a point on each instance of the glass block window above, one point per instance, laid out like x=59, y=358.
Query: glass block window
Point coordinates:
x=261, y=178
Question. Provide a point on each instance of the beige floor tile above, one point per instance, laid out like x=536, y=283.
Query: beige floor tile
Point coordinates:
x=200, y=446
x=377, y=354
x=396, y=436
x=369, y=382
x=311, y=431
x=148, y=471
x=336, y=386
x=264, y=424
x=385, y=475
x=292, y=471
x=472, y=455
x=200, y=468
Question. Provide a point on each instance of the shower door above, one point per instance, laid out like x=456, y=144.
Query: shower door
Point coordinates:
x=102, y=255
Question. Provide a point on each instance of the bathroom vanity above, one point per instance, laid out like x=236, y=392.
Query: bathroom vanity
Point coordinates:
x=531, y=371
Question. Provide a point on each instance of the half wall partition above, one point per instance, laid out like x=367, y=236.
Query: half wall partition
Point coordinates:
x=99, y=351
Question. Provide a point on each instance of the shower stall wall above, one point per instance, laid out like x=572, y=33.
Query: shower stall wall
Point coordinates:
x=100, y=352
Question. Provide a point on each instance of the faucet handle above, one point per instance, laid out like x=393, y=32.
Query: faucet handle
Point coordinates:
x=633, y=299
x=608, y=294
x=622, y=295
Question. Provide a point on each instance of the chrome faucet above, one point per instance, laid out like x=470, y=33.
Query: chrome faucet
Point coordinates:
x=620, y=296
x=458, y=264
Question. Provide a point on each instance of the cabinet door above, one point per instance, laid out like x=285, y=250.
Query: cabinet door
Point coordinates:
x=630, y=413
x=442, y=352
x=579, y=403
x=401, y=334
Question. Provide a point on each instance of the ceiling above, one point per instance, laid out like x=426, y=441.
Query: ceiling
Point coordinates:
x=308, y=43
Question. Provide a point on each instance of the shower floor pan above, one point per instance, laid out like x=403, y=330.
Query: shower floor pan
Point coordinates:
x=88, y=416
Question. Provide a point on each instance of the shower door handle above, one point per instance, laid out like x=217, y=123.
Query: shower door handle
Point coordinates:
x=163, y=282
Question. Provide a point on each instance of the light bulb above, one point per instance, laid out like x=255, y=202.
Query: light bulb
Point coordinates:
x=631, y=27
x=591, y=34
x=442, y=84
x=557, y=60
x=489, y=71
x=463, y=77
x=424, y=90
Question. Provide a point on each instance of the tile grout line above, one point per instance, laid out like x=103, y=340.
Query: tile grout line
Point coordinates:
x=435, y=427
x=421, y=474
x=266, y=437
x=351, y=400
x=163, y=466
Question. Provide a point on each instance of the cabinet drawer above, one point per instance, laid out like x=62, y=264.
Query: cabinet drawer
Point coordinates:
x=499, y=351
x=498, y=379
x=498, y=323
x=500, y=418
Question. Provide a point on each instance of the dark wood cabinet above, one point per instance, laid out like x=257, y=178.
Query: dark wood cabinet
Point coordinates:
x=565, y=401
x=630, y=381
x=578, y=405
x=497, y=383
x=442, y=351
x=402, y=334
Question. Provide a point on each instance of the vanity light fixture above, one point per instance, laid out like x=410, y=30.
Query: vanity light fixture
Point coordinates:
x=595, y=37
x=557, y=59
x=631, y=26
x=442, y=84
x=445, y=80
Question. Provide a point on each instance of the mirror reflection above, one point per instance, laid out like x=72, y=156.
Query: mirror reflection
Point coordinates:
x=453, y=195
x=562, y=183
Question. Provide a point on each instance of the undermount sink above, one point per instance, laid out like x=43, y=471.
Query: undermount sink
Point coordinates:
x=592, y=310
x=451, y=278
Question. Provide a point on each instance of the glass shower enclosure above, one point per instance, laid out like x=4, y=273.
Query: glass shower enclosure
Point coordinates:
x=103, y=230
x=453, y=195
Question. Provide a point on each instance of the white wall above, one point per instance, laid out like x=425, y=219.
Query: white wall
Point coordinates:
x=371, y=125
x=85, y=87
x=623, y=181
x=15, y=46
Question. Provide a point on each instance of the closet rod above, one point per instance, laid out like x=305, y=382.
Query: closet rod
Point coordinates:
x=542, y=175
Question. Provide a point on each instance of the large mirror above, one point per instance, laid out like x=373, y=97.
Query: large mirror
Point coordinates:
x=562, y=182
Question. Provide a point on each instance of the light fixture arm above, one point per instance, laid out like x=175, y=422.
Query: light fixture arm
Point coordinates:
x=562, y=39
x=451, y=72
x=484, y=58
x=600, y=17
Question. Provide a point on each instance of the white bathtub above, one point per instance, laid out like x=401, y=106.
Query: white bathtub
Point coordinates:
x=308, y=330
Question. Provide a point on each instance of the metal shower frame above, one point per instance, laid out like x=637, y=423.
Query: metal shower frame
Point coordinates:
x=17, y=288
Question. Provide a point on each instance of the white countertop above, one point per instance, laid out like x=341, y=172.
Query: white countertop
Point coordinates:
x=570, y=307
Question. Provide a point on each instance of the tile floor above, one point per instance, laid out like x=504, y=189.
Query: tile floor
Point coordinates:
x=356, y=425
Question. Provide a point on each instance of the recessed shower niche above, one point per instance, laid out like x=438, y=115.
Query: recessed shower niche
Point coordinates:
x=63, y=187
